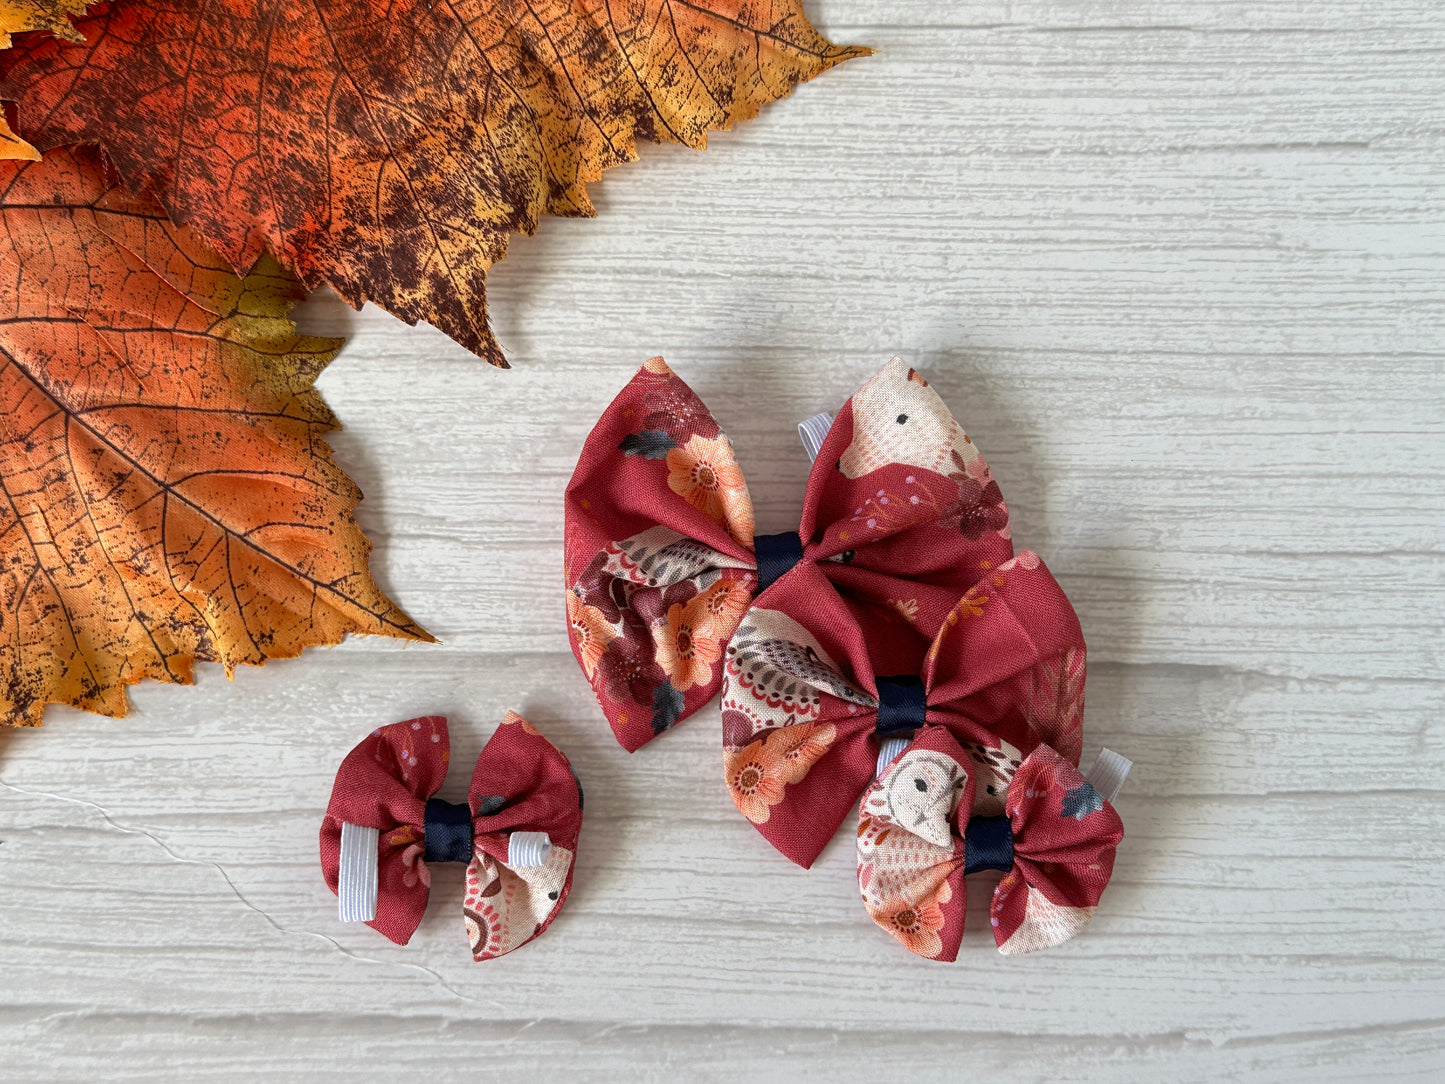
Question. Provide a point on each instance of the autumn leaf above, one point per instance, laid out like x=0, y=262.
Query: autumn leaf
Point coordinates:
x=17, y=16
x=166, y=491
x=391, y=150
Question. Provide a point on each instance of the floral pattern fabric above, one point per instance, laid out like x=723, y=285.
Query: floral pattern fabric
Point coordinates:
x=522, y=783
x=800, y=699
x=912, y=850
x=899, y=519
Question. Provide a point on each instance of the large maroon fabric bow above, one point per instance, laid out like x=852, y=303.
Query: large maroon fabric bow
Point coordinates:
x=901, y=516
x=806, y=707
x=517, y=832
x=1054, y=842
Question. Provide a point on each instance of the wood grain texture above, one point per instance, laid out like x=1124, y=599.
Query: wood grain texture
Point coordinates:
x=1178, y=267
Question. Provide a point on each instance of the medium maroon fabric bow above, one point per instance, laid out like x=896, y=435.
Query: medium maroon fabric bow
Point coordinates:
x=517, y=832
x=901, y=516
x=1054, y=842
x=806, y=708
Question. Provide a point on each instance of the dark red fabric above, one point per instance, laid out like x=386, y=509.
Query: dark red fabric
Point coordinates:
x=898, y=501
x=1064, y=832
x=1004, y=674
x=385, y=781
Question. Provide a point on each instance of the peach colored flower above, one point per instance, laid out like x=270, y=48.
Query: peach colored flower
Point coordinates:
x=723, y=605
x=907, y=608
x=687, y=645
x=915, y=925
x=755, y=780
x=591, y=632
x=801, y=746
x=704, y=473
x=416, y=868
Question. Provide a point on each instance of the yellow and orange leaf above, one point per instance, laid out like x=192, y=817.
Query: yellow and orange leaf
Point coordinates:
x=19, y=16
x=16, y=17
x=166, y=490
x=391, y=150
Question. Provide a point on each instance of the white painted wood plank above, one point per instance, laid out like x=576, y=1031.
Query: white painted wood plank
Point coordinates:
x=1178, y=267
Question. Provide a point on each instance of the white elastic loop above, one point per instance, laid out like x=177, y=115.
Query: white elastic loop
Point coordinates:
x=889, y=748
x=356, y=875
x=813, y=432
x=1109, y=772
x=527, y=850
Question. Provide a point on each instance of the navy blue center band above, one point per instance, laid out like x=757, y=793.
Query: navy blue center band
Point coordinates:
x=776, y=554
x=448, y=832
x=988, y=843
x=902, y=706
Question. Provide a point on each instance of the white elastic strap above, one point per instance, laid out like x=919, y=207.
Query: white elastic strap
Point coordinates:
x=889, y=748
x=1109, y=772
x=356, y=876
x=813, y=432
x=528, y=850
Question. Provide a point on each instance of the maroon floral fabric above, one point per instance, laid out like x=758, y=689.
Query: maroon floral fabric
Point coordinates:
x=1055, y=841
x=805, y=701
x=900, y=517
x=522, y=783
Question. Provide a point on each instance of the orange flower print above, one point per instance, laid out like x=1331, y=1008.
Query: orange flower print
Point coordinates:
x=916, y=925
x=687, y=644
x=971, y=605
x=801, y=746
x=906, y=608
x=591, y=630
x=755, y=779
x=704, y=473
x=723, y=605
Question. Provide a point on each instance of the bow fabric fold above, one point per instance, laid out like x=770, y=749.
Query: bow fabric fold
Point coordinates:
x=1054, y=841
x=807, y=707
x=900, y=517
x=517, y=832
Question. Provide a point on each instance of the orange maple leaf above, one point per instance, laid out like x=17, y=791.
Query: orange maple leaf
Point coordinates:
x=391, y=152
x=166, y=491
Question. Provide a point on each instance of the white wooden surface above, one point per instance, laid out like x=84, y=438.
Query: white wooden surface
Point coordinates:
x=1180, y=268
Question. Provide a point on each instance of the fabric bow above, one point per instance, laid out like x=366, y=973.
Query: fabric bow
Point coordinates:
x=802, y=733
x=517, y=832
x=900, y=517
x=1054, y=842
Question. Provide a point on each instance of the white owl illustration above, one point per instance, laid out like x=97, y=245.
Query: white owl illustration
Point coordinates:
x=898, y=418
x=919, y=794
x=993, y=771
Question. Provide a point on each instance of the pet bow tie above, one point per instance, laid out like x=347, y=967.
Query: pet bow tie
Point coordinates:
x=1054, y=842
x=802, y=733
x=900, y=517
x=517, y=833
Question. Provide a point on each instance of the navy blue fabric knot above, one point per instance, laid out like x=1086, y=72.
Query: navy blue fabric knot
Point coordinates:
x=776, y=554
x=448, y=830
x=902, y=706
x=988, y=843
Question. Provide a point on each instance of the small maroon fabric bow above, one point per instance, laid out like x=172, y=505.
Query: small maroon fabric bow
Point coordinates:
x=1054, y=842
x=517, y=832
x=901, y=516
x=806, y=709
